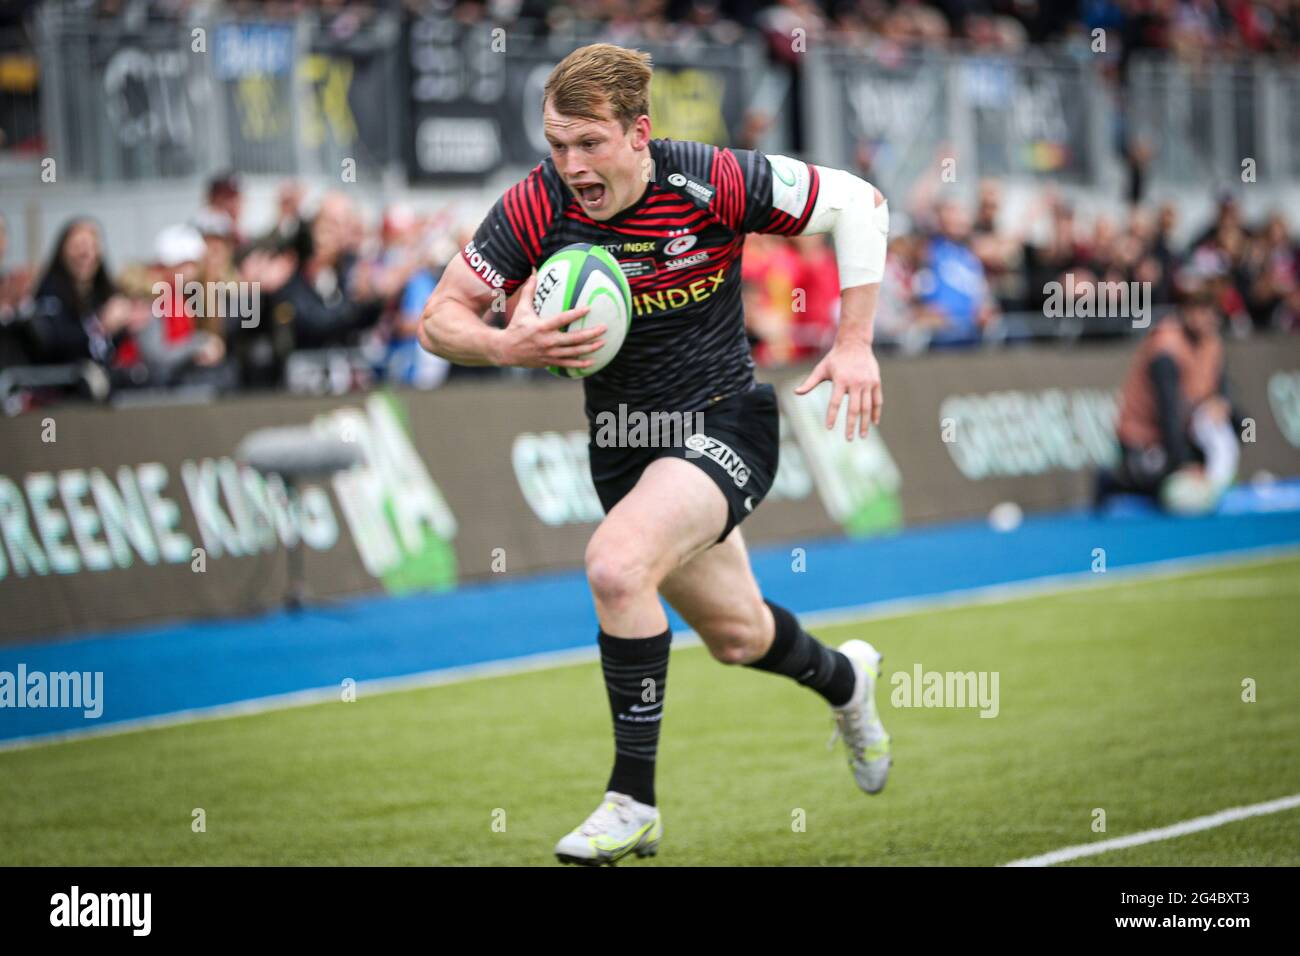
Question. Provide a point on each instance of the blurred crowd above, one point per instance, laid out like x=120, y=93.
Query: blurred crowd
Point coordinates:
x=1188, y=28
x=218, y=308
x=959, y=274
x=215, y=307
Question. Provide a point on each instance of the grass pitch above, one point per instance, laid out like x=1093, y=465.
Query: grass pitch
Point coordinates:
x=1126, y=697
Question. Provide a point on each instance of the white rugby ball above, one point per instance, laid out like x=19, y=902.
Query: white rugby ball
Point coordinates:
x=578, y=275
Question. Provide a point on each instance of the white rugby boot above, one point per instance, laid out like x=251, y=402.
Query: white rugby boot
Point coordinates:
x=619, y=826
x=859, y=724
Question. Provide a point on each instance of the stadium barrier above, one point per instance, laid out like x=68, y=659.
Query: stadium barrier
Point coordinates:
x=115, y=517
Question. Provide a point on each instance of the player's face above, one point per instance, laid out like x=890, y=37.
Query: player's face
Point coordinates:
x=602, y=163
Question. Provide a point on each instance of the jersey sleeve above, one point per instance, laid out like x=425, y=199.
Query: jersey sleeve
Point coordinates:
x=507, y=245
x=761, y=193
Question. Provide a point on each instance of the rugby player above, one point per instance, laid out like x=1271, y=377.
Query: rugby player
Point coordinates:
x=674, y=214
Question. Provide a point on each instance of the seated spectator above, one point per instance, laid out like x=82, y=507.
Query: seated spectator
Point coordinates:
x=1175, y=417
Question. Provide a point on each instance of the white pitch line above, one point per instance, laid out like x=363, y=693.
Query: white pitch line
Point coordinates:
x=1163, y=833
x=901, y=607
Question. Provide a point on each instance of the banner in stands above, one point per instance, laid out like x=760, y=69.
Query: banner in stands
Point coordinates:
x=254, y=68
x=348, y=112
x=327, y=108
x=475, y=109
x=114, y=517
x=132, y=105
x=899, y=116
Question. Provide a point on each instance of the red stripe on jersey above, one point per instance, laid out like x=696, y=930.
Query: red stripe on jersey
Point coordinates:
x=528, y=204
x=730, y=199
x=781, y=223
x=528, y=210
x=543, y=205
x=511, y=205
x=639, y=226
x=656, y=225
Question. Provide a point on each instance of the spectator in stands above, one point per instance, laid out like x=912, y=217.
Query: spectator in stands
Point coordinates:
x=15, y=308
x=165, y=348
x=402, y=275
x=226, y=197
x=818, y=277
x=899, y=318
x=1272, y=273
x=1175, y=417
x=770, y=269
x=952, y=280
x=1163, y=245
x=1061, y=253
x=288, y=228
x=15, y=283
x=999, y=251
x=318, y=304
x=78, y=313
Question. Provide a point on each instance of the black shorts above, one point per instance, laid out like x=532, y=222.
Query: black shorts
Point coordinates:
x=737, y=444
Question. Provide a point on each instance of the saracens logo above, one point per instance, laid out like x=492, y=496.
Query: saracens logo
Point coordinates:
x=683, y=263
x=723, y=454
x=485, y=269
x=675, y=247
x=701, y=192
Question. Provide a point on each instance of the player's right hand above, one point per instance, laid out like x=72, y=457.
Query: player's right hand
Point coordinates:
x=530, y=341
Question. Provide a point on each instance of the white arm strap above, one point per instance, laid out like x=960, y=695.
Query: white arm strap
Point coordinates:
x=846, y=208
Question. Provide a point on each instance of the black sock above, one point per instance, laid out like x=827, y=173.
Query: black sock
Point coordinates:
x=797, y=654
x=636, y=673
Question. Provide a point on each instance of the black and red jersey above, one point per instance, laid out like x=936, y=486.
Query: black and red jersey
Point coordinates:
x=679, y=247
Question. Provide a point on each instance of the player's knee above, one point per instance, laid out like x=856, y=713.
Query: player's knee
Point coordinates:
x=616, y=575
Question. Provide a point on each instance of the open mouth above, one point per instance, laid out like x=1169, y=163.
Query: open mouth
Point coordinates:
x=592, y=195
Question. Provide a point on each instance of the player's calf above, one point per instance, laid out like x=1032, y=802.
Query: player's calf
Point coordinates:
x=800, y=656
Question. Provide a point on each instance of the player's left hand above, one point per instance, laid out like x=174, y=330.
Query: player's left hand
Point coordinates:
x=852, y=370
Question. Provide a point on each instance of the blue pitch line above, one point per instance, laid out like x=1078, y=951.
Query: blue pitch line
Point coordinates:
x=164, y=670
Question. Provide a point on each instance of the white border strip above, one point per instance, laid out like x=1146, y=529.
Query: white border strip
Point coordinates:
x=1163, y=833
x=901, y=607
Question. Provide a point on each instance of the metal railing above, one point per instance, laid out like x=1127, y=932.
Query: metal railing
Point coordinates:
x=165, y=99
x=1042, y=115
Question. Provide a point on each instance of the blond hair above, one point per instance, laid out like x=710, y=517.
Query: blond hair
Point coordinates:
x=601, y=76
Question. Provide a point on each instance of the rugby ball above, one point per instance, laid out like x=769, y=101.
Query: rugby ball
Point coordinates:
x=1188, y=492
x=578, y=275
